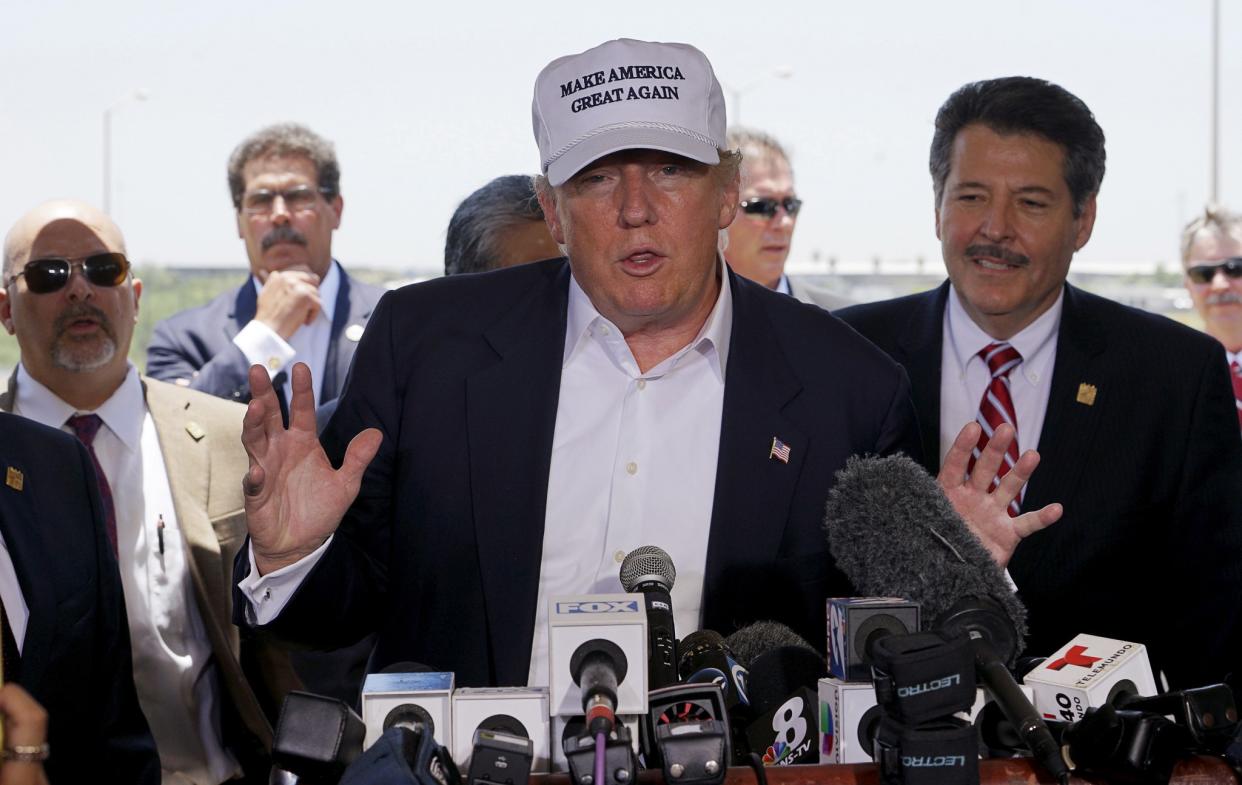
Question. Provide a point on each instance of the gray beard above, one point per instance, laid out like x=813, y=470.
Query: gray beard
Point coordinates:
x=65, y=357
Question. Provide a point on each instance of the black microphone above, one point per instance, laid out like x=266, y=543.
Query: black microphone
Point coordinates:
x=316, y=739
x=782, y=685
x=754, y=639
x=892, y=532
x=649, y=571
x=705, y=658
x=598, y=666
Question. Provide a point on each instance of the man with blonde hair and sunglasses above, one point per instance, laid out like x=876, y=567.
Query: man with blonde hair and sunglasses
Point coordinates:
x=1212, y=258
x=762, y=233
x=165, y=459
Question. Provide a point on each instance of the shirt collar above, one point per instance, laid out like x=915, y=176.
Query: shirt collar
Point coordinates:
x=712, y=340
x=123, y=412
x=969, y=338
x=329, y=287
x=783, y=286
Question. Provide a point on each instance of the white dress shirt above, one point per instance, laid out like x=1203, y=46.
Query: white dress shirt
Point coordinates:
x=964, y=375
x=633, y=463
x=263, y=346
x=176, y=679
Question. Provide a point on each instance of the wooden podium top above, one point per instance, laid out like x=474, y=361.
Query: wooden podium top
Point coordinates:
x=1199, y=770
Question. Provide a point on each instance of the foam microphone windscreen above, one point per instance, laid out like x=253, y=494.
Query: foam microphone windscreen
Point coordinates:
x=755, y=639
x=893, y=532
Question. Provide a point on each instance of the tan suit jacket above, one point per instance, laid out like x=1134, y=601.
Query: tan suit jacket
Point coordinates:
x=200, y=437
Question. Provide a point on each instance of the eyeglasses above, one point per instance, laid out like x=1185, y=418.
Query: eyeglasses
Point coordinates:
x=766, y=206
x=1204, y=273
x=300, y=199
x=44, y=276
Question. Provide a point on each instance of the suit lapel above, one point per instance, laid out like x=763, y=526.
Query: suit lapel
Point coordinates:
x=351, y=309
x=919, y=347
x=20, y=524
x=244, y=308
x=511, y=417
x=753, y=489
x=187, y=462
x=1069, y=426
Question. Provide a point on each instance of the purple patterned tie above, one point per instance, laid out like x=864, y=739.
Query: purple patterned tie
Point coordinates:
x=86, y=426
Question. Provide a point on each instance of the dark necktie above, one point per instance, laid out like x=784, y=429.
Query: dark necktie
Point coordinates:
x=996, y=407
x=85, y=426
x=278, y=384
x=1236, y=373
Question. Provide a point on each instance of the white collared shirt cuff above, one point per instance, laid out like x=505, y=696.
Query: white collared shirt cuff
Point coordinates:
x=261, y=345
x=267, y=595
x=1013, y=587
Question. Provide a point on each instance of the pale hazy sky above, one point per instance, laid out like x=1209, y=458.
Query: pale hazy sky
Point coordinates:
x=428, y=101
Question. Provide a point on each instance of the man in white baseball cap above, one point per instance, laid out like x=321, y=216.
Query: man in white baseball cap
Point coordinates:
x=540, y=422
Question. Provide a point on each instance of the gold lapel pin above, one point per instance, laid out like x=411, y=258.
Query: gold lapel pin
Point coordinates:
x=1086, y=394
x=14, y=479
x=195, y=430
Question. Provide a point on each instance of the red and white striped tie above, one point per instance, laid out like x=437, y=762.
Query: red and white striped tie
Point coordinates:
x=1236, y=373
x=996, y=408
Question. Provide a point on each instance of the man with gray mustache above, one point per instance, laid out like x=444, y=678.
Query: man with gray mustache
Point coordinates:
x=299, y=304
x=1212, y=260
x=1132, y=413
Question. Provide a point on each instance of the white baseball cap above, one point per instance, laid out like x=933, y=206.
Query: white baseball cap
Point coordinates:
x=622, y=95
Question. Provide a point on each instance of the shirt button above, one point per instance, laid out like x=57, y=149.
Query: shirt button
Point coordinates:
x=642, y=384
x=603, y=329
x=273, y=363
x=631, y=468
x=619, y=556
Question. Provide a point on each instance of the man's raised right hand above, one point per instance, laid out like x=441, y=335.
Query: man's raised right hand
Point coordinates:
x=294, y=498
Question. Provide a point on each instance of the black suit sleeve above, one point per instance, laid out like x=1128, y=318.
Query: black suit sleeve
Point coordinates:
x=900, y=432
x=181, y=356
x=350, y=581
x=1198, y=639
x=127, y=751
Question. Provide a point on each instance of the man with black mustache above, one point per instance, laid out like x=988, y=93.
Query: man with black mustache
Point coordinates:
x=298, y=305
x=162, y=456
x=1132, y=413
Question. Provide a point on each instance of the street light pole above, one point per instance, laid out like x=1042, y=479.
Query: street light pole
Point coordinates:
x=735, y=93
x=1215, y=179
x=137, y=95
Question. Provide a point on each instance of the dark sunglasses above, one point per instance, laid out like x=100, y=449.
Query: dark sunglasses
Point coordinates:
x=44, y=276
x=766, y=206
x=1204, y=273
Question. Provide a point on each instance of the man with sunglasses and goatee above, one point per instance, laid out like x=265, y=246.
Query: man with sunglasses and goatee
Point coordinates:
x=1212, y=258
x=298, y=305
x=761, y=234
x=166, y=460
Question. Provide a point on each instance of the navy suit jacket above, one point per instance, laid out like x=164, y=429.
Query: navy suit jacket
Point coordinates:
x=441, y=551
x=75, y=658
x=1150, y=471
x=195, y=347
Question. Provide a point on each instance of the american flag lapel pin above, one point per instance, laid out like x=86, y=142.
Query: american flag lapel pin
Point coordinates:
x=779, y=451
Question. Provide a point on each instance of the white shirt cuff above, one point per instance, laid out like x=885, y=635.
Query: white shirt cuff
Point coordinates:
x=267, y=595
x=261, y=345
x=1013, y=587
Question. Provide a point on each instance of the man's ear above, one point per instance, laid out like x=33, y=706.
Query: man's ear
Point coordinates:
x=547, y=202
x=6, y=310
